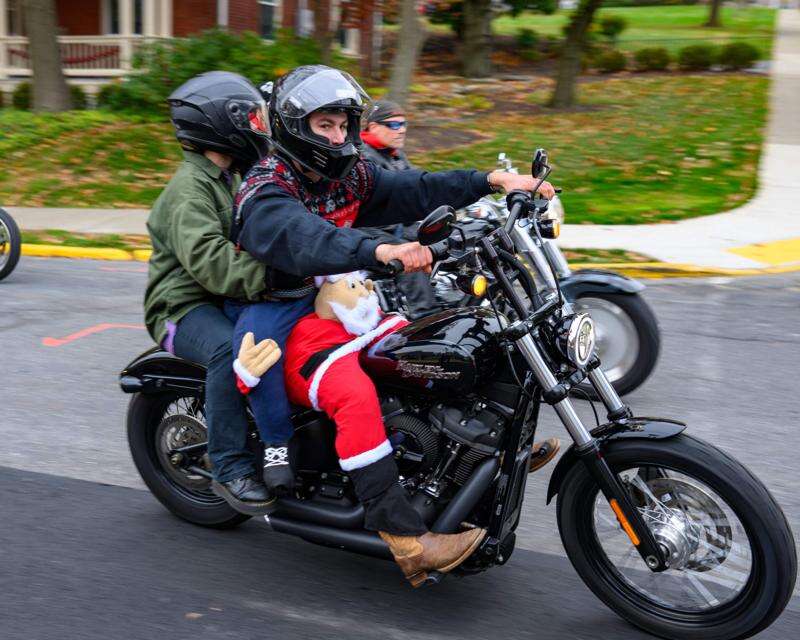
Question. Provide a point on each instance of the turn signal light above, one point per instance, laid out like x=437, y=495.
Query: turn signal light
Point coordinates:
x=475, y=286
x=550, y=229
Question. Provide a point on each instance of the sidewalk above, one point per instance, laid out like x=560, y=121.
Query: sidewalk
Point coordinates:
x=761, y=236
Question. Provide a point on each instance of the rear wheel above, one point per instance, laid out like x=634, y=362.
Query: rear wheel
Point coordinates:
x=158, y=426
x=10, y=244
x=732, y=556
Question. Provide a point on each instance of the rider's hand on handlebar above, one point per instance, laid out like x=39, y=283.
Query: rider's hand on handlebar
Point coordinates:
x=510, y=181
x=413, y=255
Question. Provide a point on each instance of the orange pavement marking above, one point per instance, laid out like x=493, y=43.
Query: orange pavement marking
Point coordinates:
x=57, y=342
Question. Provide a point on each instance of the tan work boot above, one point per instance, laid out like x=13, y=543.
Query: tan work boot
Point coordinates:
x=441, y=552
x=543, y=452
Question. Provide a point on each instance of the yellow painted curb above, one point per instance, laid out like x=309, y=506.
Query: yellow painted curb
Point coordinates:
x=142, y=255
x=779, y=253
x=60, y=251
x=676, y=270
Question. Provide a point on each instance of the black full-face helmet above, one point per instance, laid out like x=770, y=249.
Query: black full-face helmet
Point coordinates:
x=295, y=97
x=221, y=111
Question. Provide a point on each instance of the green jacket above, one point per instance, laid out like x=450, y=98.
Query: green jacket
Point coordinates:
x=193, y=260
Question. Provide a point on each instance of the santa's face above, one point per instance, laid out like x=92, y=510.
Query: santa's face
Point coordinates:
x=352, y=301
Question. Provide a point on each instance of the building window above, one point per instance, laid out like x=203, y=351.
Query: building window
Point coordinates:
x=137, y=16
x=267, y=18
x=111, y=17
x=14, y=19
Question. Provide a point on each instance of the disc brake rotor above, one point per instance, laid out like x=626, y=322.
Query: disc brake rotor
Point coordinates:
x=177, y=431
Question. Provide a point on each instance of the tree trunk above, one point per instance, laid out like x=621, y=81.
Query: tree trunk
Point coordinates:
x=477, y=39
x=713, y=14
x=50, y=91
x=409, y=43
x=574, y=44
x=322, y=28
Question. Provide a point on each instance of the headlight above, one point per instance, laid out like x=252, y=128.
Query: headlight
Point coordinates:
x=581, y=339
x=556, y=209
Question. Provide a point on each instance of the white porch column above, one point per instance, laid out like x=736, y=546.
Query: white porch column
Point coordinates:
x=3, y=34
x=149, y=18
x=166, y=19
x=125, y=33
x=222, y=13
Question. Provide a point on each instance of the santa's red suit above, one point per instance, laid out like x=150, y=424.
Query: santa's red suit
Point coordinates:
x=322, y=371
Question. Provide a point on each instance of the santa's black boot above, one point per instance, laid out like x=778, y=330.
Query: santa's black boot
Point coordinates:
x=388, y=511
x=278, y=473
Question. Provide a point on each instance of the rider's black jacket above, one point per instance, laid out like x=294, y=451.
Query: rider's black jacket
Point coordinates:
x=302, y=229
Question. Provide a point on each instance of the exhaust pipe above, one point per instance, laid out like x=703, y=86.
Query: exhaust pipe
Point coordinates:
x=362, y=542
x=465, y=500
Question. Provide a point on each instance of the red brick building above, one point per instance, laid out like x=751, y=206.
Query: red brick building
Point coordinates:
x=98, y=37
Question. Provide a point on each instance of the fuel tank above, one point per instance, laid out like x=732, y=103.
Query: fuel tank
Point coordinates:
x=453, y=351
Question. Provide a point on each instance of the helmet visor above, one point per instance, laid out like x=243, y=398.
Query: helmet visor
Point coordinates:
x=328, y=88
x=249, y=115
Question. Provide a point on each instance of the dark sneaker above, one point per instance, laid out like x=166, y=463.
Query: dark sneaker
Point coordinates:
x=246, y=495
x=278, y=474
x=543, y=452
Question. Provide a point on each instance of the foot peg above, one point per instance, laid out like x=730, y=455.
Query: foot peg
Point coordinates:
x=426, y=579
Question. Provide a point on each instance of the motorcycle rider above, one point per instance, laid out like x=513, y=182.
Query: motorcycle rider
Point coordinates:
x=295, y=211
x=384, y=138
x=220, y=123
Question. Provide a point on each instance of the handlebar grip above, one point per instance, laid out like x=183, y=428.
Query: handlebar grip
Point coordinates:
x=394, y=267
x=439, y=250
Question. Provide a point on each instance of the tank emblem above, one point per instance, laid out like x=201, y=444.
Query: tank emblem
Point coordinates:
x=434, y=371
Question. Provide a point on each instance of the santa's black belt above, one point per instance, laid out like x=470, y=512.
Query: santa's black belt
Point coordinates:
x=317, y=359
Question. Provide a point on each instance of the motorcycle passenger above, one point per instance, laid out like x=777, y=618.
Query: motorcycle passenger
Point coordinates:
x=384, y=138
x=220, y=123
x=296, y=211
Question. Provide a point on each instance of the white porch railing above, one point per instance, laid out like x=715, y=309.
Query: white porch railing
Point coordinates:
x=81, y=56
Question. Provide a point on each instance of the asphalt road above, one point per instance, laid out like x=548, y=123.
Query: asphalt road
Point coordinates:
x=85, y=552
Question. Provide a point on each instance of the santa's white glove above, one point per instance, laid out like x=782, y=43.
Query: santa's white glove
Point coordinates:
x=255, y=359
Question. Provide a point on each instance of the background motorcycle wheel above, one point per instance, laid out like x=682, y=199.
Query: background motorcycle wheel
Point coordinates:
x=157, y=422
x=736, y=565
x=10, y=244
x=628, y=338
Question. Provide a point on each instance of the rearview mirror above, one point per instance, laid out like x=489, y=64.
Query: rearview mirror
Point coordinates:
x=539, y=165
x=437, y=225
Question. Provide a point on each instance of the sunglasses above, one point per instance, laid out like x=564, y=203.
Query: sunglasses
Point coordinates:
x=394, y=125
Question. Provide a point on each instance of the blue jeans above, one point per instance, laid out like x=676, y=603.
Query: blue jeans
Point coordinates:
x=204, y=336
x=268, y=398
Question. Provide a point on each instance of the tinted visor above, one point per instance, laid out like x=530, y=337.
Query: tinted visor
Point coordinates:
x=327, y=88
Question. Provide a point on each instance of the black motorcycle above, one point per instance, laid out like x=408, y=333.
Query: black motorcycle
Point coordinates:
x=670, y=532
x=10, y=244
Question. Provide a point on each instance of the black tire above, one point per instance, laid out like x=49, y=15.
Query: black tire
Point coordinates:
x=145, y=413
x=773, y=572
x=9, y=250
x=643, y=318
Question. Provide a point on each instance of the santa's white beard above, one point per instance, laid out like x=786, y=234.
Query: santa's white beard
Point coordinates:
x=361, y=318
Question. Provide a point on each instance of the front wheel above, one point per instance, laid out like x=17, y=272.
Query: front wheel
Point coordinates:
x=10, y=244
x=628, y=338
x=158, y=426
x=732, y=557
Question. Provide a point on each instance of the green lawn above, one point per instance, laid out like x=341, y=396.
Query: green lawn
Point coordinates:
x=672, y=27
x=650, y=149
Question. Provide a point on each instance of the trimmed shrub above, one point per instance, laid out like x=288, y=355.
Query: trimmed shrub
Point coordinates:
x=2, y=99
x=696, y=57
x=78, y=97
x=611, y=61
x=737, y=55
x=21, y=97
x=527, y=38
x=652, y=59
x=612, y=26
x=162, y=67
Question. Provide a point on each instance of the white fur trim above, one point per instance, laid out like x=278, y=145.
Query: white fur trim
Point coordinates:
x=356, y=344
x=248, y=378
x=367, y=457
x=320, y=280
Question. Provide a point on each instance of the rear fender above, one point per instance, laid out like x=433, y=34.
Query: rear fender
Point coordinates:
x=157, y=370
x=634, y=428
x=597, y=281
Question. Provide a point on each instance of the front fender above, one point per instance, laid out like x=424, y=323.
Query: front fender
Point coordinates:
x=597, y=281
x=156, y=369
x=634, y=428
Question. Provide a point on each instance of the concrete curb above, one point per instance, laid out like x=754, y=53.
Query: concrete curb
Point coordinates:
x=632, y=269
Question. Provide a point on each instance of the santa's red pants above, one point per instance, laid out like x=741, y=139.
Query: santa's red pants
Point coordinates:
x=344, y=392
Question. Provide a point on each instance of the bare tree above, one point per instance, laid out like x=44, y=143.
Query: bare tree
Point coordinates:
x=476, y=39
x=410, y=39
x=713, y=14
x=574, y=45
x=322, y=28
x=50, y=91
